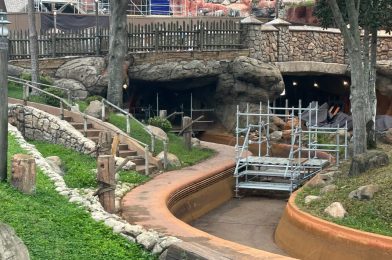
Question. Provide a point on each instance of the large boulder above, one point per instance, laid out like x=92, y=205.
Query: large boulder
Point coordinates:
x=16, y=71
x=11, y=246
x=158, y=132
x=94, y=109
x=78, y=90
x=90, y=71
x=172, y=160
x=364, y=192
x=367, y=161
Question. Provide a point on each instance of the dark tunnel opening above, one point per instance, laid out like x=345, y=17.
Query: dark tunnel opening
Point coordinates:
x=333, y=89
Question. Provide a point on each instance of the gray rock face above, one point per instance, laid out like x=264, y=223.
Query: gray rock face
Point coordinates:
x=327, y=189
x=89, y=71
x=158, y=132
x=386, y=137
x=370, y=160
x=336, y=210
x=94, y=109
x=16, y=71
x=11, y=246
x=78, y=90
x=364, y=192
x=230, y=83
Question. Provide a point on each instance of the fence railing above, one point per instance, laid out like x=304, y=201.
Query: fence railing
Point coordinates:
x=173, y=36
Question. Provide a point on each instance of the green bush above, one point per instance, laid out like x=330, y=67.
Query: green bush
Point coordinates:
x=93, y=98
x=162, y=123
x=52, y=101
x=42, y=79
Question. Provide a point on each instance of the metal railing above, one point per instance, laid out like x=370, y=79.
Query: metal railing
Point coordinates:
x=64, y=103
x=130, y=118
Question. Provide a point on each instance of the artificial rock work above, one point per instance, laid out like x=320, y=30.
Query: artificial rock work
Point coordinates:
x=11, y=246
x=231, y=83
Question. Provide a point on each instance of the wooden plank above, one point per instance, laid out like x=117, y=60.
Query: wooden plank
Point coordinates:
x=106, y=178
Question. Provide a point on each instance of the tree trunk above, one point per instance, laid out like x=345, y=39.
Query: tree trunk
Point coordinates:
x=117, y=50
x=371, y=124
x=358, y=100
x=33, y=43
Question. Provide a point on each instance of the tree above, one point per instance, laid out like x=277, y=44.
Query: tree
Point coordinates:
x=350, y=16
x=33, y=43
x=117, y=49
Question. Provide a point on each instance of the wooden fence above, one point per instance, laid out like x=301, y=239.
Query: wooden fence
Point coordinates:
x=173, y=36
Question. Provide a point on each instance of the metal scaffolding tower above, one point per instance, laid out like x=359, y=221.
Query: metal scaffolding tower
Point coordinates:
x=262, y=171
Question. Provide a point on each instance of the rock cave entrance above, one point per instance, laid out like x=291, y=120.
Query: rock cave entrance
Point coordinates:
x=322, y=88
x=142, y=96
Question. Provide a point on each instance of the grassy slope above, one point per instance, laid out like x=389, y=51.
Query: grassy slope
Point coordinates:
x=79, y=167
x=175, y=144
x=52, y=228
x=373, y=216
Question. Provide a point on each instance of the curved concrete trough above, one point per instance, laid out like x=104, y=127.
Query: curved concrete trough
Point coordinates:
x=307, y=237
x=173, y=199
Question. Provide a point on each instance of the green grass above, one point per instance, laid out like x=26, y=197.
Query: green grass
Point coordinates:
x=176, y=145
x=79, y=167
x=53, y=228
x=373, y=216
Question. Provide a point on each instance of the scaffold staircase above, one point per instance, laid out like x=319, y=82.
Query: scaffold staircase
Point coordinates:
x=261, y=171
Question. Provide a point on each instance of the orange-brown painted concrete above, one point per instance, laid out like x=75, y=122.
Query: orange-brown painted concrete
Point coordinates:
x=147, y=205
x=307, y=237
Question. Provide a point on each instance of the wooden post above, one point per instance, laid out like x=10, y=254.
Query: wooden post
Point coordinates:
x=188, y=132
x=23, y=173
x=105, y=143
x=163, y=114
x=106, y=179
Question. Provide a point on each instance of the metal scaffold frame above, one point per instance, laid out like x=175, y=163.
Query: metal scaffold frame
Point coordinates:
x=264, y=172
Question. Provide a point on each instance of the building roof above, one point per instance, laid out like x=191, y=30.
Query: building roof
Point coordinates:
x=15, y=6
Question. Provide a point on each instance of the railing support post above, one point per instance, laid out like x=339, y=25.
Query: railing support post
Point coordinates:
x=128, y=125
x=85, y=125
x=61, y=110
x=147, y=164
x=165, y=148
x=152, y=143
x=103, y=115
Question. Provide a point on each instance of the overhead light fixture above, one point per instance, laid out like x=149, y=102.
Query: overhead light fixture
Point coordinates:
x=283, y=93
x=315, y=84
x=125, y=86
x=345, y=83
x=295, y=83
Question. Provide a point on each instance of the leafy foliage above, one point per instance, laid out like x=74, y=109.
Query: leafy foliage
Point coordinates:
x=42, y=79
x=52, y=101
x=162, y=123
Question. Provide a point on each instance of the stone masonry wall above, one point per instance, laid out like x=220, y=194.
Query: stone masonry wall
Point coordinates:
x=285, y=43
x=42, y=126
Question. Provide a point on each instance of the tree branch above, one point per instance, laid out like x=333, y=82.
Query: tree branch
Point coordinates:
x=340, y=21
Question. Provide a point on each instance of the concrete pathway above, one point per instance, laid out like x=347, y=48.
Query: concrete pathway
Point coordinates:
x=249, y=221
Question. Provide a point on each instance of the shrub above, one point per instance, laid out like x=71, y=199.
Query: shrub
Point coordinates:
x=162, y=123
x=52, y=101
x=42, y=79
x=93, y=98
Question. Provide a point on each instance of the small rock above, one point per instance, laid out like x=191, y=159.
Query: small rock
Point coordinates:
x=336, y=210
x=133, y=230
x=320, y=180
x=168, y=241
x=147, y=239
x=195, y=142
x=364, y=192
x=119, y=228
x=310, y=198
x=99, y=216
x=276, y=135
x=111, y=222
x=172, y=160
x=11, y=246
x=327, y=189
x=76, y=199
x=279, y=122
x=56, y=164
x=128, y=166
x=157, y=249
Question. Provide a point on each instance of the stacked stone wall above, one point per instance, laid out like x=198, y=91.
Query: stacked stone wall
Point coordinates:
x=38, y=125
